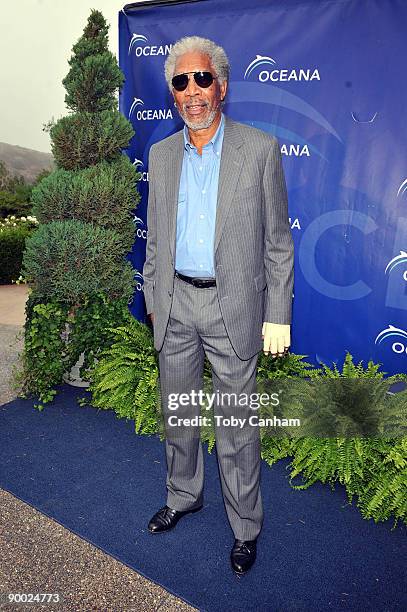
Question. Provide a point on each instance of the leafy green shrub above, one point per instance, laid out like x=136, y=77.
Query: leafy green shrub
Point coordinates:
x=76, y=260
x=43, y=358
x=13, y=233
x=69, y=260
x=48, y=354
x=88, y=138
x=94, y=75
x=104, y=194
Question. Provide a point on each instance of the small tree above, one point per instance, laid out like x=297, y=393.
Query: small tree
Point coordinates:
x=76, y=260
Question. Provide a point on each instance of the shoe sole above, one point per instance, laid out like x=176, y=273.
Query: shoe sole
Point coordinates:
x=173, y=526
x=241, y=573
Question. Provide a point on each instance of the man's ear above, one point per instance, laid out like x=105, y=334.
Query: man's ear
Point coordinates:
x=223, y=89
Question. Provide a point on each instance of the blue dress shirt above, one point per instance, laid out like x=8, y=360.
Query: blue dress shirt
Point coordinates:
x=196, y=215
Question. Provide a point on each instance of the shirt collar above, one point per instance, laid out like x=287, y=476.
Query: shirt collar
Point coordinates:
x=215, y=140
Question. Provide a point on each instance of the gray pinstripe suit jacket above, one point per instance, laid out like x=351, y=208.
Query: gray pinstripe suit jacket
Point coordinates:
x=253, y=250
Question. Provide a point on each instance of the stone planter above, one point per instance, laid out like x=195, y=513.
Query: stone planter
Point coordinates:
x=73, y=376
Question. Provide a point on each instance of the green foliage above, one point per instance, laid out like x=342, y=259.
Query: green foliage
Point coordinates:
x=94, y=76
x=14, y=193
x=76, y=259
x=274, y=449
x=84, y=139
x=13, y=232
x=125, y=377
x=43, y=360
x=358, y=462
x=69, y=260
x=385, y=492
x=104, y=194
x=287, y=366
x=351, y=370
x=48, y=354
x=90, y=327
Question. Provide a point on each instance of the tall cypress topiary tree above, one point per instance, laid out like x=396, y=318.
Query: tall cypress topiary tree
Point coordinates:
x=76, y=260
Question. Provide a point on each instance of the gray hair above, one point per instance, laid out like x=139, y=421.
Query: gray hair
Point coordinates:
x=216, y=54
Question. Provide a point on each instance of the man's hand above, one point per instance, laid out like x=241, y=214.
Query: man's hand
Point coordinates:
x=276, y=338
x=151, y=315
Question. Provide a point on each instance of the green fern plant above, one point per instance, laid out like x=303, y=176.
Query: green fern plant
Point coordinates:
x=358, y=462
x=125, y=378
x=385, y=493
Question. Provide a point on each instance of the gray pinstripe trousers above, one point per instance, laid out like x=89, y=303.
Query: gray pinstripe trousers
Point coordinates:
x=196, y=328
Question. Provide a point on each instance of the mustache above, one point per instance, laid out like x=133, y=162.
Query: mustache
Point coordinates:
x=189, y=104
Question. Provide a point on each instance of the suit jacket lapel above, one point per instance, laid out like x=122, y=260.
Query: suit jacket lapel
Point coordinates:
x=231, y=163
x=172, y=181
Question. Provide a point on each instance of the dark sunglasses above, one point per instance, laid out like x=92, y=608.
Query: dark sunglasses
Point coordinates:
x=202, y=79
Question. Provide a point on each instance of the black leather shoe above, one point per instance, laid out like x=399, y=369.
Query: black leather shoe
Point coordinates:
x=243, y=555
x=166, y=518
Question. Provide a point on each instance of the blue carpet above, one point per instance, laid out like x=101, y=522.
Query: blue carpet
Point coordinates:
x=90, y=472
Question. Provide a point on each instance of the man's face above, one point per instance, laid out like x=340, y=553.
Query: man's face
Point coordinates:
x=198, y=106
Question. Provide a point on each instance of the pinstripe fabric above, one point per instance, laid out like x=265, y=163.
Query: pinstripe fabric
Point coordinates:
x=253, y=251
x=196, y=327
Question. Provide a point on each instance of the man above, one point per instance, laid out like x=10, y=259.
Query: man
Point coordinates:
x=219, y=264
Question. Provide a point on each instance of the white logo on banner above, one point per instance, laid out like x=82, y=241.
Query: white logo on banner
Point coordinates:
x=138, y=47
x=148, y=114
x=136, y=102
x=140, y=233
x=402, y=188
x=397, y=261
x=134, y=40
x=279, y=74
x=139, y=285
x=391, y=331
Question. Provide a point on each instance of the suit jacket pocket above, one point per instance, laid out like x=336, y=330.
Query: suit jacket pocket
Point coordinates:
x=260, y=281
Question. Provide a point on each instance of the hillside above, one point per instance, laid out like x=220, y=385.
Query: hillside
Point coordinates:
x=25, y=162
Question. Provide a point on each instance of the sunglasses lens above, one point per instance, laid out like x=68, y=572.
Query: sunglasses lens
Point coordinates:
x=180, y=82
x=203, y=79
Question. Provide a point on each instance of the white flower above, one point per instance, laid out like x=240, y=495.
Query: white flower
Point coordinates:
x=23, y=218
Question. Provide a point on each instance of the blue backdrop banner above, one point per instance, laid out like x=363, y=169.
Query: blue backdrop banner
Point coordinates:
x=326, y=78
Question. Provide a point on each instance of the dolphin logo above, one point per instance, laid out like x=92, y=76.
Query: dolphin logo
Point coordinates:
x=136, y=102
x=399, y=259
x=402, y=188
x=136, y=38
x=138, y=220
x=388, y=332
x=138, y=162
x=258, y=61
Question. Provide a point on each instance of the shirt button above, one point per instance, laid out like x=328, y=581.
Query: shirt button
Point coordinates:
x=203, y=191
x=200, y=240
x=200, y=167
x=202, y=216
x=201, y=265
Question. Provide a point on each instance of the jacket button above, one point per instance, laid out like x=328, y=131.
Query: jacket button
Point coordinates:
x=169, y=293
